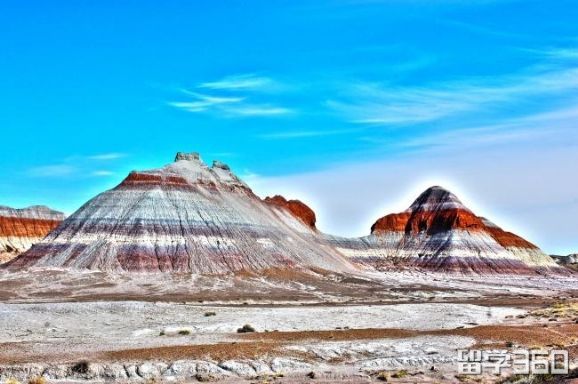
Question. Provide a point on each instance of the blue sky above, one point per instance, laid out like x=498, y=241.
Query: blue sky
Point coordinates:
x=352, y=106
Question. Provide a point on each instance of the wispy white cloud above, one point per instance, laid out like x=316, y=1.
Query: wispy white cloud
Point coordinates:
x=229, y=105
x=108, y=156
x=257, y=110
x=373, y=103
x=76, y=166
x=553, y=127
x=555, y=53
x=240, y=82
x=102, y=173
x=202, y=103
x=53, y=170
x=492, y=135
x=303, y=134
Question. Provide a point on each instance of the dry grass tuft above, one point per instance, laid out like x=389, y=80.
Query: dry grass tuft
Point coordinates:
x=37, y=380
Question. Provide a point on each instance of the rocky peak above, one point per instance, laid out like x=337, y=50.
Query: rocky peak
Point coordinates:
x=188, y=169
x=436, y=198
x=191, y=156
x=435, y=210
x=220, y=165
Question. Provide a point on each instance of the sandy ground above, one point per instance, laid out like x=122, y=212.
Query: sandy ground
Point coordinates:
x=334, y=328
x=279, y=287
x=90, y=327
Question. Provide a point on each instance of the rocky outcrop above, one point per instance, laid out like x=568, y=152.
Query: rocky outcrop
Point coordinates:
x=295, y=207
x=188, y=370
x=571, y=259
x=184, y=217
x=437, y=232
x=20, y=228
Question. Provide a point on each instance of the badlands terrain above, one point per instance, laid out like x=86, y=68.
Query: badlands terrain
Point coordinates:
x=20, y=228
x=183, y=274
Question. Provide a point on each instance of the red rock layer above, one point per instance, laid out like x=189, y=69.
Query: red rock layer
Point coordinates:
x=26, y=227
x=508, y=239
x=431, y=222
x=297, y=208
x=141, y=179
x=394, y=222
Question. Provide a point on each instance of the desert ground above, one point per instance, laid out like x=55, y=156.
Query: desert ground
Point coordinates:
x=400, y=327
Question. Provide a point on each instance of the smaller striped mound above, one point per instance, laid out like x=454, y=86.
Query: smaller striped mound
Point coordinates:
x=437, y=232
x=20, y=228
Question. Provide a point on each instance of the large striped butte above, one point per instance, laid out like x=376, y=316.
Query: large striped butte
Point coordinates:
x=184, y=217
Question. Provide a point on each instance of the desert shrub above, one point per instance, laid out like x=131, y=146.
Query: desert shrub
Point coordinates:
x=184, y=332
x=81, y=367
x=37, y=380
x=203, y=377
x=400, y=374
x=207, y=314
x=247, y=328
x=381, y=376
x=509, y=344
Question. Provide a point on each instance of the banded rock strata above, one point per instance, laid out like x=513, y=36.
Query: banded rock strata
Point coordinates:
x=184, y=217
x=188, y=217
x=20, y=228
x=437, y=232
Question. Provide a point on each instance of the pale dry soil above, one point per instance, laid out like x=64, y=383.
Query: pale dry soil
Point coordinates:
x=310, y=327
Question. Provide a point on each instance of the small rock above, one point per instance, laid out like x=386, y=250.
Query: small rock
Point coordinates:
x=238, y=368
x=181, y=368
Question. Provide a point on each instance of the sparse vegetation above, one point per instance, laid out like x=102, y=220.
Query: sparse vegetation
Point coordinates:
x=247, y=328
x=184, y=332
x=208, y=314
x=37, y=380
x=400, y=374
x=468, y=379
x=560, y=310
x=204, y=377
x=80, y=367
x=382, y=376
